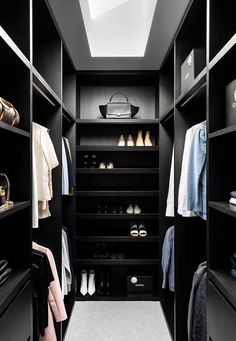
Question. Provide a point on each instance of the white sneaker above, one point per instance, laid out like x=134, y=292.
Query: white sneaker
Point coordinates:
x=121, y=142
x=137, y=209
x=91, y=284
x=130, y=209
x=110, y=165
x=130, y=141
x=102, y=165
x=84, y=283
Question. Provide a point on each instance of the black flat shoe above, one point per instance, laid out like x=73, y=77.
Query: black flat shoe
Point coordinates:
x=108, y=284
x=101, y=285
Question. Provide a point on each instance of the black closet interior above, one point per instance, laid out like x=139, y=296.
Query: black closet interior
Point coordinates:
x=39, y=78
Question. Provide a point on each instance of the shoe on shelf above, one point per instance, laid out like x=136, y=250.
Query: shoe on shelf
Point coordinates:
x=91, y=283
x=130, y=209
x=108, y=284
x=97, y=252
x=93, y=164
x=121, y=210
x=139, y=141
x=84, y=283
x=121, y=253
x=130, y=141
x=142, y=230
x=113, y=252
x=104, y=252
x=134, y=230
x=147, y=140
x=102, y=165
x=110, y=165
x=105, y=211
x=101, y=286
x=85, y=164
x=114, y=210
x=121, y=142
x=137, y=209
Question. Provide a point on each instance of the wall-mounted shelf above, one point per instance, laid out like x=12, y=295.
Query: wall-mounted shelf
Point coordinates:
x=224, y=207
x=117, y=149
x=117, y=193
x=103, y=262
x=117, y=121
x=117, y=171
x=129, y=239
x=223, y=132
x=96, y=216
x=17, y=206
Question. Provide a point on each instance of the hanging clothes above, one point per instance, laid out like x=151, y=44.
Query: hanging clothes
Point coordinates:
x=197, y=324
x=167, y=261
x=68, y=175
x=44, y=161
x=192, y=186
x=55, y=297
x=170, y=206
x=66, y=266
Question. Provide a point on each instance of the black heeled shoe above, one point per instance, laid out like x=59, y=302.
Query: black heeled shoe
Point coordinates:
x=108, y=284
x=101, y=286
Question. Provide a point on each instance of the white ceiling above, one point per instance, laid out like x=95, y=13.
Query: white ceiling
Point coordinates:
x=167, y=17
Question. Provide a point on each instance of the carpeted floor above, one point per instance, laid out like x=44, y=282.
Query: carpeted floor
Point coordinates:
x=117, y=321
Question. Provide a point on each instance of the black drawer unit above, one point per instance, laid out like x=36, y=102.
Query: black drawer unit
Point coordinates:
x=15, y=323
x=221, y=317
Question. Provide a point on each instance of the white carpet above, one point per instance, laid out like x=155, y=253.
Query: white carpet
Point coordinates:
x=117, y=321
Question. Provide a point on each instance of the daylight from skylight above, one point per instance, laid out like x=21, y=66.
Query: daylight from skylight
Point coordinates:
x=117, y=28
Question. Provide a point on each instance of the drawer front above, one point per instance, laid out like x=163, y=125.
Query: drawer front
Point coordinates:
x=221, y=317
x=15, y=323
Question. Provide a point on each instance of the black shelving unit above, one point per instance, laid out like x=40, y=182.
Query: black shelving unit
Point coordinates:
x=133, y=178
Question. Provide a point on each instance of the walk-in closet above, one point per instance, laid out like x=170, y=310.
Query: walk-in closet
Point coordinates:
x=117, y=190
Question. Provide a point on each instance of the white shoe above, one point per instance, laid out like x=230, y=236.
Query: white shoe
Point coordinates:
x=110, y=165
x=130, y=209
x=91, y=284
x=147, y=140
x=102, y=165
x=137, y=209
x=84, y=283
x=130, y=141
x=121, y=142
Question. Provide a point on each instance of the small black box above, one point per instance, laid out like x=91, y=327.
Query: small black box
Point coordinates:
x=231, y=103
x=191, y=67
x=137, y=285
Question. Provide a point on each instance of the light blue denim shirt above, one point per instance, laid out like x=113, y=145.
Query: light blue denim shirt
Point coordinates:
x=196, y=181
x=167, y=260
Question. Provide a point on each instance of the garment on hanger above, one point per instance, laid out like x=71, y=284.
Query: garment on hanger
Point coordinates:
x=44, y=161
x=170, y=206
x=167, y=261
x=196, y=327
x=192, y=186
x=55, y=298
x=42, y=276
x=68, y=175
x=66, y=267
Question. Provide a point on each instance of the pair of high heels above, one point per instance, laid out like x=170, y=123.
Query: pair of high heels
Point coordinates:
x=139, y=141
x=87, y=285
x=104, y=285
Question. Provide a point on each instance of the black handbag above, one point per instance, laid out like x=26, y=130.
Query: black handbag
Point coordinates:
x=118, y=109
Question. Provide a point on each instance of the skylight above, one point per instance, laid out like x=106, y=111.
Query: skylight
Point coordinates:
x=117, y=28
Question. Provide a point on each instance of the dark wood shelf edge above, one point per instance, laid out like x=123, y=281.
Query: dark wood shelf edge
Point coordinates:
x=223, y=207
x=117, y=121
x=167, y=114
x=118, y=298
x=222, y=132
x=12, y=287
x=68, y=114
x=118, y=171
x=14, y=130
x=117, y=216
x=127, y=239
x=221, y=279
x=117, y=261
x=117, y=149
x=225, y=49
x=112, y=193
x=17, y=206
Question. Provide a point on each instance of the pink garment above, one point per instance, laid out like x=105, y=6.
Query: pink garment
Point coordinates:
x=55, y=298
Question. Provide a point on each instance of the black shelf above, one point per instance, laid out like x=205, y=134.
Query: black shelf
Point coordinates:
x=117, y=121
x=117, y=149
x=96, y=216
x=117, y=171
x=68, y=114
x=224, y=207
x=117, y=261
x=222, y=132
x=17, y=206
x=168, y=113
x=231, y=44
x=12, y=286
x=225, y=283
x=117, y=239
x=118, y=297
x=14, y=130
x=117, y=193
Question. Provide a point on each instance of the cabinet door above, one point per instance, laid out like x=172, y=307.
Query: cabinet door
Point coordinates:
x=221, y=317
x=15, y=323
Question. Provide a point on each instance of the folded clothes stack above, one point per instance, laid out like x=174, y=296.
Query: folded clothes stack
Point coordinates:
x=5, y=270
x=232, y=200
x=233, y=263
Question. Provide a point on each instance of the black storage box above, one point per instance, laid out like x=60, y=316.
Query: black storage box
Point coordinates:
x=191, y=67
x=139, y=285
x=231, y=103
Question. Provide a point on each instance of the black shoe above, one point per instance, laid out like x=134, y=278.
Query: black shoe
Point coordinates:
x=113, y=252
x=121, y=253
x=97, y=252
x=121, y=210
x=108, y=284
x=101, y=286
x=114, y=211
x=104, y=252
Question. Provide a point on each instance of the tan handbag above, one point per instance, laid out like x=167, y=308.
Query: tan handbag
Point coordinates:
x=8, y=114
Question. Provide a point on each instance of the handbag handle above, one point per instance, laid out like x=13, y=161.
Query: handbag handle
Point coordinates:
x=119, y=93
